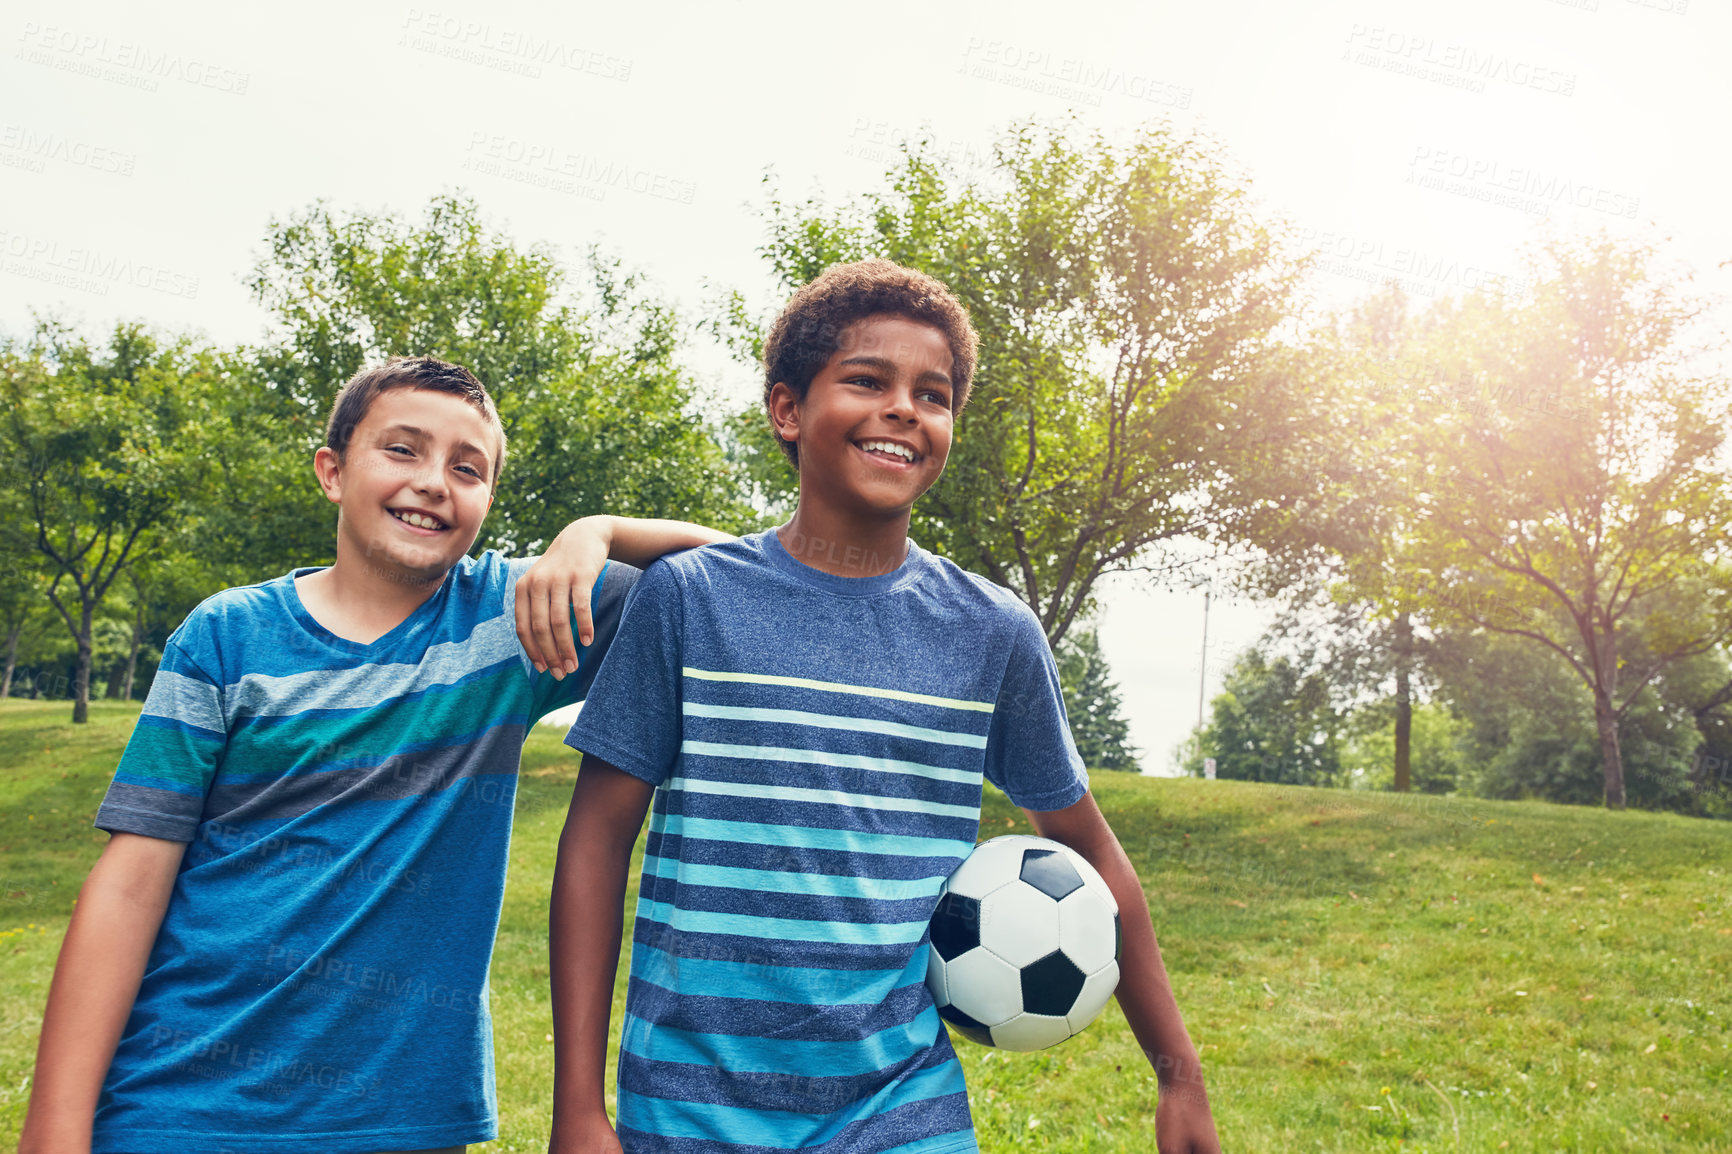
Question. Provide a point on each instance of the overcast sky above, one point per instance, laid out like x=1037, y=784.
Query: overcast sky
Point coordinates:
x=142, y=154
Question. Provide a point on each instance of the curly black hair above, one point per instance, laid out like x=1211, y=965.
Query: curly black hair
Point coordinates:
x=811, y=326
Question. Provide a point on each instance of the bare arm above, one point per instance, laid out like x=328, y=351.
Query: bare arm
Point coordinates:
x=96, y=979
x=585, y=926
x=561, y=578
x=640, y=540
x=1183, y=1124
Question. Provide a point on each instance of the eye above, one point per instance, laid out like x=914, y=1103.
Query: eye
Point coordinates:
x=869, y=382
x=473, y=471
x=394, y=448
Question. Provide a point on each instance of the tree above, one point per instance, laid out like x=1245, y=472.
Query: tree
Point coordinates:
x=21, y=599
x=20, y=579
x=1361, y=649
x=1137, y=384
x=1273, y=721
x=1353, y=550
x=1091, y=701
x=1590, y=496
x=1528, y=730
x=1435, y=736
x=597, y=407
x=47, y=657
x=107, y=447
x=1702, y=686
x=162, y=589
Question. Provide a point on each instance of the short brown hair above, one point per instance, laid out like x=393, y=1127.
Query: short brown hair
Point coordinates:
x=356, y=397
x=810, y=329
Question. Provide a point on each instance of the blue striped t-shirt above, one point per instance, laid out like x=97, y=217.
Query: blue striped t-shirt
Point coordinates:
x=818, y=745
x=319, y=982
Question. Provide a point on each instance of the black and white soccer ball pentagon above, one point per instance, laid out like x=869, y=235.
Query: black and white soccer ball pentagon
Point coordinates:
x=1025, y=944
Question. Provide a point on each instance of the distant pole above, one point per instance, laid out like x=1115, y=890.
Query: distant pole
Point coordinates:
x=1203, y=672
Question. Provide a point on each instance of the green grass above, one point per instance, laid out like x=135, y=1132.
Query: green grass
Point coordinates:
x=1361, y=971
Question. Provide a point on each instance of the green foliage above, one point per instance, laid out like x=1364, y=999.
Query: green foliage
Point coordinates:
x=1549, y=470
x=108, y=450
x=349, y=290
x=597, y=406
x=1504, y=719
x=1093, y=705
x=1274, y=721
x=1586, y=509
x=1368, y=751
x=104, y=443
x=1132, y=388
x=1701, y=688
x=1530, y=732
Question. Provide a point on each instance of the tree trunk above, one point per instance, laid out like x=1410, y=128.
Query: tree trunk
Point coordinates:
x=81, y=686
x=1606, y=716
x=132, y=655
x=1606, y=721
x=115, y=673
x=1403, y=703
x=11, y=659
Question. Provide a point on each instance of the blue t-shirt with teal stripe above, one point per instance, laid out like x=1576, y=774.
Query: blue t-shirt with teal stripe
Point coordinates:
x=818, y=745
x=319, y=982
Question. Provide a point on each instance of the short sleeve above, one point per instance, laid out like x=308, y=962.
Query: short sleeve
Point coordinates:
x=160, y=784
x=631, y=718
x=607, y=599
x=1030, y=753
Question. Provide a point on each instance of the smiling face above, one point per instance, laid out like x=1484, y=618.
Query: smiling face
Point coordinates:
x=874, y=428
x=414, y=483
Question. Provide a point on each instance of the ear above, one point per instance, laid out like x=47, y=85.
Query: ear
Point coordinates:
x=329, y=473
x=784, y=409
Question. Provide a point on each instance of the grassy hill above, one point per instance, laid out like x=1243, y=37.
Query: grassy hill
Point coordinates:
x=1361, y=971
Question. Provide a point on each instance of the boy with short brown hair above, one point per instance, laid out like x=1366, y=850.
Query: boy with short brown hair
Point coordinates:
x=285, y=944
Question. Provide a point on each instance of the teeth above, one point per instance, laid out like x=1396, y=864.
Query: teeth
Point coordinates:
x=902, y=451
x=417, y=520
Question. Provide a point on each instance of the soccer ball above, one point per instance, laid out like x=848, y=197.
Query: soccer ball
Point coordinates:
x=1025, y=944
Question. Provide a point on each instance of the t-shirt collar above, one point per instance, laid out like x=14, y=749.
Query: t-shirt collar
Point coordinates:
x=912, y=564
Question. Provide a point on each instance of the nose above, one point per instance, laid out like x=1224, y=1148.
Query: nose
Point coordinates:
x=899, y=404
x=430, y=479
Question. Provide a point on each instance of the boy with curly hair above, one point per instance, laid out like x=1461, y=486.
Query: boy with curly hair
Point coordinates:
x=809, y=714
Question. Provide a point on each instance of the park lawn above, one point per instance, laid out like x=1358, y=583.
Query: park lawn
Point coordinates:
x=1361, y=971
